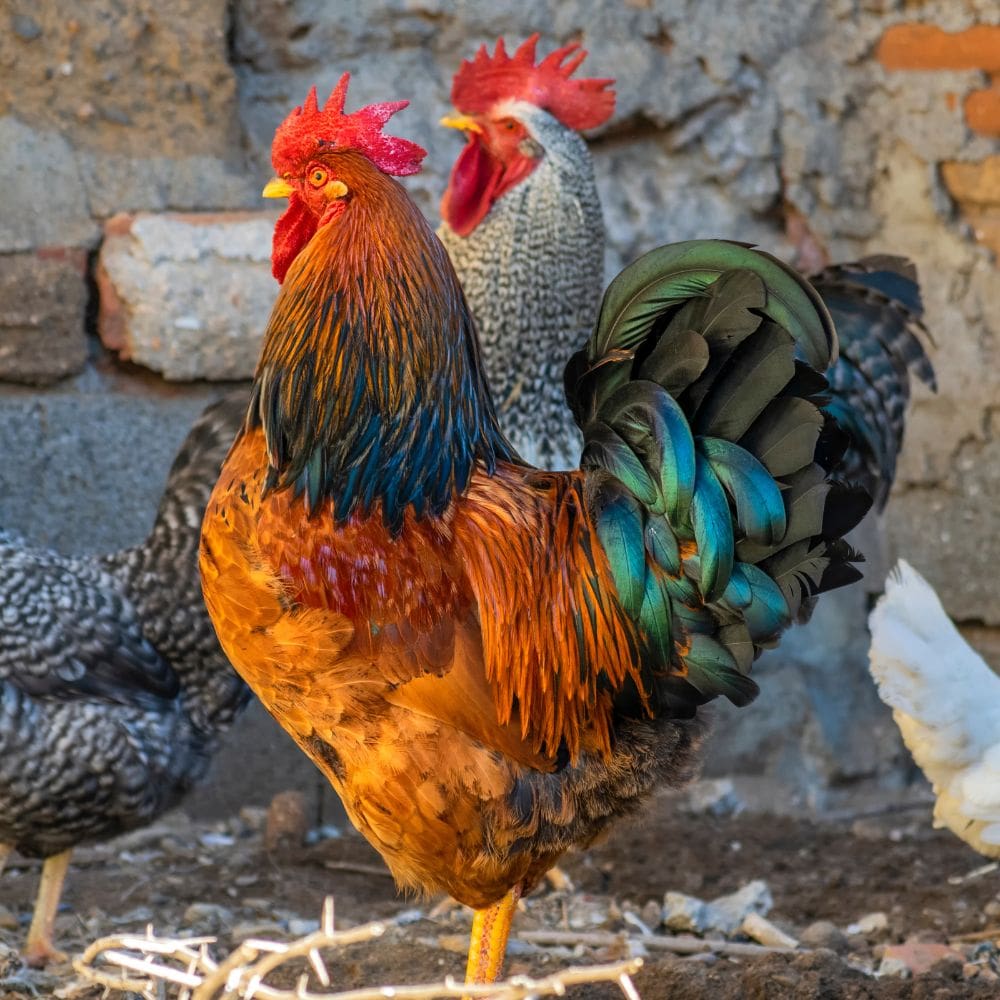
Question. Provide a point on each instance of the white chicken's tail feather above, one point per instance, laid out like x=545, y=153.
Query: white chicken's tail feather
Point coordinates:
x=946, y=702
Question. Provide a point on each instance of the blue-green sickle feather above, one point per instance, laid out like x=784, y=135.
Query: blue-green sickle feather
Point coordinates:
x=760, y=510
x=672, y=274
x=713, y=532
x=699, y=395
x=650, y=420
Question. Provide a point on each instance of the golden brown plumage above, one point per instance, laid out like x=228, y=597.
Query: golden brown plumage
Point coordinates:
x=488, y=662
x=422, y=712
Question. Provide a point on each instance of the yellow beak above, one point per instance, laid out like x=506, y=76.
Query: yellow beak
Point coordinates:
x=277, y=188
x=463, y=122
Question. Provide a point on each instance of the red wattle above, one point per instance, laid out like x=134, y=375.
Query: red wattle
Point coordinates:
x=293, y=230
x=472, y=187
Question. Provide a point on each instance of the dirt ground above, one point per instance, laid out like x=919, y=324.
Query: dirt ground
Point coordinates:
x=220, y=880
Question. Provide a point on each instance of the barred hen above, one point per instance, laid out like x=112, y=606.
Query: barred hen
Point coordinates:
x=113, y=688
x=522, y=224
x=491, y=663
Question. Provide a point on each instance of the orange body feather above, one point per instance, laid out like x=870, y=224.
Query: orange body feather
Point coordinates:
x=422, y=672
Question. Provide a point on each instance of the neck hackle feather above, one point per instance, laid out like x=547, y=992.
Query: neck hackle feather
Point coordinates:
x=370, y=388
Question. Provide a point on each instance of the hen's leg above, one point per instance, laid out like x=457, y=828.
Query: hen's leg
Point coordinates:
x=490, y=930
x=38, y=949
x=5, y=851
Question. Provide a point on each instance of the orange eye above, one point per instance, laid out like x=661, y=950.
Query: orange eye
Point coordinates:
x=318, y=177
x=509, y=124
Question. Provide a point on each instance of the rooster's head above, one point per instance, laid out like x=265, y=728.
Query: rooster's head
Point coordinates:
x=324, y=158
x=502, y=100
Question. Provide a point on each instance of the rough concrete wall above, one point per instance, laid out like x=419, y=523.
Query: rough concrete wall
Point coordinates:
x=849, y=126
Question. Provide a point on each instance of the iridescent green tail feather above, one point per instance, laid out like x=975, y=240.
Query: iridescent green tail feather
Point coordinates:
x=709, y=481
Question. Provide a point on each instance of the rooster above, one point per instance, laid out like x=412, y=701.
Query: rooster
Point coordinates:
x=521, y=219
x=522, y=224
x=113, y=688
x=946, y=702
x=490, y=663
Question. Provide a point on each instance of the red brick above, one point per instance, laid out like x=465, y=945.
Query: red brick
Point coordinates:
x=119, y=224
x=976, y=183
x=925, y=46
x=112, y=323
x=74, y=256
x=982, y=110
x=976, y=189
x=920, y=956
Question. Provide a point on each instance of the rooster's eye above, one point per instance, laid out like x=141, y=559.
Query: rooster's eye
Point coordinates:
x=318, y=177
x=509, y=124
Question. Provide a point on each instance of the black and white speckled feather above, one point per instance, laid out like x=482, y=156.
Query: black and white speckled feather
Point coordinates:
x=113, y=688
x=533, y=274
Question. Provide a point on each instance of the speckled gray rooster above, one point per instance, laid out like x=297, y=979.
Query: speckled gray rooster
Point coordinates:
x=113, y=688
x=522, y=223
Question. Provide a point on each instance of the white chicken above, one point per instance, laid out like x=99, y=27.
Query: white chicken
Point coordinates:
x=946, y=702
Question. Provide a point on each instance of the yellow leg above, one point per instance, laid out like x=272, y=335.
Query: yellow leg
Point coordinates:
x=38, y=949
x=5, y=851
x=490, y=930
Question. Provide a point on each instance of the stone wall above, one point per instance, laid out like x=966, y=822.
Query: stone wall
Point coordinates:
x=133, y=246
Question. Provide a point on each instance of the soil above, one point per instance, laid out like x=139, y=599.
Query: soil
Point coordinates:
x=190, y=880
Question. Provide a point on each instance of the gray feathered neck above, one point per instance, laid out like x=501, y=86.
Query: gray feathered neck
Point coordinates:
x=533, y=273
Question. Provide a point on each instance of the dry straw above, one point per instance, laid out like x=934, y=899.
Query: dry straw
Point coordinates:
x=157, y=967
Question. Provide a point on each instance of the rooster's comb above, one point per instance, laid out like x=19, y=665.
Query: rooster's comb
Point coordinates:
x=309, y=128
x=482, y=82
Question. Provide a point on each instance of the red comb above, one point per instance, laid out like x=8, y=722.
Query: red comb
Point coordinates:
x=482, y=82
x=308, y=128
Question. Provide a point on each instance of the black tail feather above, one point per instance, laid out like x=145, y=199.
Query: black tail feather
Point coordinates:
x=876, y=305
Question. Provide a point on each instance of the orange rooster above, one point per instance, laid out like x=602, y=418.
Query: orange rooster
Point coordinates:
x=491, y=663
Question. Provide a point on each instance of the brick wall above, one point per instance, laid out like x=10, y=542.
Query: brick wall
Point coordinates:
x=924, y=48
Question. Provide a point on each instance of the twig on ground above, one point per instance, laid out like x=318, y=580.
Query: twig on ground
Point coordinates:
x=761, y=930
x=979, y=872
x=146, y=964
x=971, y=937
x=681, y=944
x=515, y=988
x=357, y=869
x=869, y=812
x=443, y=908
